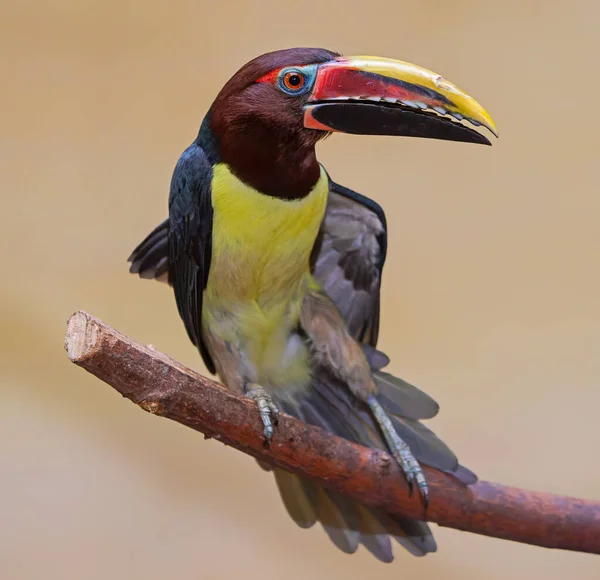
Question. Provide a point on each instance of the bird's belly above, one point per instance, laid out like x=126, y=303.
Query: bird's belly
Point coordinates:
x=259, y=274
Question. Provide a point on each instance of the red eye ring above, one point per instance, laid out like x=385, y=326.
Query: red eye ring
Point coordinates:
x=293, y=80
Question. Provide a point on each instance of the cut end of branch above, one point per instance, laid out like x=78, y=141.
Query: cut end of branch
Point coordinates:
x=82, y=338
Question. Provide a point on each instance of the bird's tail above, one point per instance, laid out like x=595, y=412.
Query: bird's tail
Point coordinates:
x=331, y=406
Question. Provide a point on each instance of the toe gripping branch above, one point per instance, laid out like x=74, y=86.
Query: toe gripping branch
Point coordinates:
x=269, y=413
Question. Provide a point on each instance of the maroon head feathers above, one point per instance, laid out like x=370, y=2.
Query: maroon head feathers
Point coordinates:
x=259, y=128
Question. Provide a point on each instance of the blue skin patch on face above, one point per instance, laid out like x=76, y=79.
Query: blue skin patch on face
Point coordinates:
x=304, y=76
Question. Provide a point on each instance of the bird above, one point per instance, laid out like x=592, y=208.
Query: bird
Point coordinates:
x=277, y=269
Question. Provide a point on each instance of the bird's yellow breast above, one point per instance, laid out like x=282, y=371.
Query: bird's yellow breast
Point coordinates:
x=260, y=263
x=261, y=244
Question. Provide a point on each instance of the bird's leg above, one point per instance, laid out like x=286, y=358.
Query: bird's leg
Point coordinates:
x=400, y=450
x=269, y=413
x=238, y=376
x=345, y=358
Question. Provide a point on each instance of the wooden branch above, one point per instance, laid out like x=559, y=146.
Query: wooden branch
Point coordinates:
x=164, y=387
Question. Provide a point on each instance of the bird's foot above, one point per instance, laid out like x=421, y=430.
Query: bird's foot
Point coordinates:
x=400, y=451
x=269, y=413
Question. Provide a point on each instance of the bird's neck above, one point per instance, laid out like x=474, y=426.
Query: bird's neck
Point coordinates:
x=268, y=159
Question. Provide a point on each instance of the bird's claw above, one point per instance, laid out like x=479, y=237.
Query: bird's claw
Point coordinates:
x=269, y=413
x=401, y=452
x=412, y=471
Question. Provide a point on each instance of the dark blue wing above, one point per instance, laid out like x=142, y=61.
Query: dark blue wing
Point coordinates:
x=189, y=240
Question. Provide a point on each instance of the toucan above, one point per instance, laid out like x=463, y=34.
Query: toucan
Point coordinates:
x=276, y=268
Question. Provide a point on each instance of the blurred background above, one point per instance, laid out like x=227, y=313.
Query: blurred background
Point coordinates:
x=490, y=295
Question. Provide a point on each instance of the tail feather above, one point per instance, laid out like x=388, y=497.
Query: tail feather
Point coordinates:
x=336, y=514
x=413, y=535
x=298, y=497
x=374, y=536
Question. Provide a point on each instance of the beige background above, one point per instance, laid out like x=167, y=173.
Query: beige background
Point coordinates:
x=490, y=300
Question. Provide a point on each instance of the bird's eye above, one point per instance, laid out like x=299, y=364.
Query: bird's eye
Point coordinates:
x=293, y=80
x=296, y=81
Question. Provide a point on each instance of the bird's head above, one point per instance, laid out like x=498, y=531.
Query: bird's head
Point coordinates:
x=277, y=106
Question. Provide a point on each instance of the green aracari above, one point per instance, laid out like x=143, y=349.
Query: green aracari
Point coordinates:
x=277, y=269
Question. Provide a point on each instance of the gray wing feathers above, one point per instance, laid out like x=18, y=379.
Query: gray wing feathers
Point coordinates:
x=347, y=264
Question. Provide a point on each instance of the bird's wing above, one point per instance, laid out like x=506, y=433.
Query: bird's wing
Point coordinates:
x=189, y=240
x=348, y=259
x=150, y=259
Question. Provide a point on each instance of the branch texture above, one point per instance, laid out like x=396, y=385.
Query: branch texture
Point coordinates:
x=164, y=387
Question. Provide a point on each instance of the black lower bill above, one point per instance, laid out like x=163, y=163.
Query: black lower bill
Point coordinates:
x=371, y=118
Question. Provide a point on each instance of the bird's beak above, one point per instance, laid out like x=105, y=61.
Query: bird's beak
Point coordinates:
x=377, y=96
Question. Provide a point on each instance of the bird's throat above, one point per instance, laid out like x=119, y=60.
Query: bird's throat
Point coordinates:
x=271, y=159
